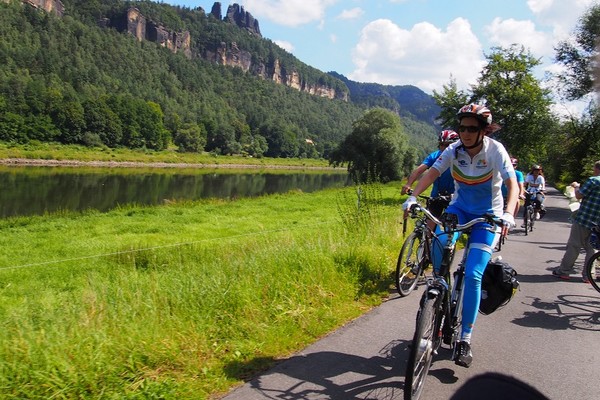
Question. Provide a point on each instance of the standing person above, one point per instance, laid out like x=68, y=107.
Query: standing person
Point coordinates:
x=520, y=182
x=479, y=165
x=535, y=184
x=587, y=216
x=444, y=184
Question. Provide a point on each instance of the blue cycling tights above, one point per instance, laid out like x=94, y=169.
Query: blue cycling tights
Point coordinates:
x=482, y=243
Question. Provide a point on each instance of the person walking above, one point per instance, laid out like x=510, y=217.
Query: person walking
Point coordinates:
x=585, y=219
x=479, y=165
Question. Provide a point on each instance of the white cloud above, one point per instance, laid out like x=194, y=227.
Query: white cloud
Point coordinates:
x=354, y=13
x=287, y=46
x=288, y=12
x=425, y=56
x=509, y=31
x=333, y=38
x=560, y=15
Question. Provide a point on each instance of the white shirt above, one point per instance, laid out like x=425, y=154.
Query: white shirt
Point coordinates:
x=535, y=185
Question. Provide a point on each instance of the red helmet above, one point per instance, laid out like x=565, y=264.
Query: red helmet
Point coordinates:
x=448, y=136
x=482, y=113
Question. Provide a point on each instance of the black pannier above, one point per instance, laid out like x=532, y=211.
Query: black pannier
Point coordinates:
x=498, y=286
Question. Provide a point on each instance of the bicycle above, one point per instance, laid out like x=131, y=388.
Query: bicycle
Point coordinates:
x=588, y=268
x=440, y=313
x=415, y=254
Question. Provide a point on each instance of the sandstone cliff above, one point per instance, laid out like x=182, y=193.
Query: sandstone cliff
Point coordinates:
x=53, y=6
x=229, y=54
x=143, y=29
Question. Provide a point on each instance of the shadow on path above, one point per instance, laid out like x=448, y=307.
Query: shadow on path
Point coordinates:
x=325, y=375
x=567, y=312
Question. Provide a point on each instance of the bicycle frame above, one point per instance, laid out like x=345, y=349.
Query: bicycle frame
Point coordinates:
x=440, y=312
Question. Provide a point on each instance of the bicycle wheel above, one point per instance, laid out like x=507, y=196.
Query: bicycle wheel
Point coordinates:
x=422, y=349
x=588, y=267
x=531, y=219
x=409, y=266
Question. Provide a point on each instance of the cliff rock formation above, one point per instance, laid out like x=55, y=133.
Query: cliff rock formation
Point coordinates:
x=53, y=6
x=143, y=29
x=229, y=54
x=238, y=16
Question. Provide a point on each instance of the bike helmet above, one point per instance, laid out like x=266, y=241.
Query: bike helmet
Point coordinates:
x=448, y=136
x=482, y=113
x=536, y=167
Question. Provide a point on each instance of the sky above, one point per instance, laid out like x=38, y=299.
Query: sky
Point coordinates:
x=424, y=43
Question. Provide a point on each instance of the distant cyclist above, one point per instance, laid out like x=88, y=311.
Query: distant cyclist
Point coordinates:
x=520, y=182
x=479, y=165
x=535, y=184
x=444, y=184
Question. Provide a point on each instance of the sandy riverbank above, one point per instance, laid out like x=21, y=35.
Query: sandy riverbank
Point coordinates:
x=132, y=164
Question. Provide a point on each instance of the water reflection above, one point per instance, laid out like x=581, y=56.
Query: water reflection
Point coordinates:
x=36, y=190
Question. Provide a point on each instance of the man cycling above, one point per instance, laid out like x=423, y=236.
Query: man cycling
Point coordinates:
x=479, y=165
x=444, y=184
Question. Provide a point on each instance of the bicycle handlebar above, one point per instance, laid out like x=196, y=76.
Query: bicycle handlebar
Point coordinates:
x=489, y=218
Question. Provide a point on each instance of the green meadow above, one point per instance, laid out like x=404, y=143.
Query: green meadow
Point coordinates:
x=186, y=300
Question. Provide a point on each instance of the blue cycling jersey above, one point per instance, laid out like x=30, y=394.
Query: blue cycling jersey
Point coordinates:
x=444, y=183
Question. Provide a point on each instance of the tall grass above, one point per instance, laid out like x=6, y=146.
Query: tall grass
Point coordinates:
x=185, y=300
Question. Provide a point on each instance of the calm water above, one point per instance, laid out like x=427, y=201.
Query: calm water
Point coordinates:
x=37, y=190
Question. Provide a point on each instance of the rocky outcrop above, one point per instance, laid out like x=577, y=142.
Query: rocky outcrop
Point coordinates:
x=231, y=55
x=51, y=6
x=143, y=29
x=238, y=16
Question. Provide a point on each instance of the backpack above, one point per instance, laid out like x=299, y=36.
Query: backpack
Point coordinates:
x=498, y=286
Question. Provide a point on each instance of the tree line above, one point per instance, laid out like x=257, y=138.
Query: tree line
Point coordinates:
x=70, y=81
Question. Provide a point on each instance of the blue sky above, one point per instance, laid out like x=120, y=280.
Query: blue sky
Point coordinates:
x=417, y=42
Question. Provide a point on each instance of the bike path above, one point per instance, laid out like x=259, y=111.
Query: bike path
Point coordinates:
x=548, y=336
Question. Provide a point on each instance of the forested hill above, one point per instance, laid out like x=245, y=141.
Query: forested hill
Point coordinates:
x=142, y=74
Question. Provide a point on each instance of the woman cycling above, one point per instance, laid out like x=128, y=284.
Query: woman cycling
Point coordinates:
x=479, y=165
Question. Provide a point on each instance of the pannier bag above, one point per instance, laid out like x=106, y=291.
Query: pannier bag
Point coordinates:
x=498, y=286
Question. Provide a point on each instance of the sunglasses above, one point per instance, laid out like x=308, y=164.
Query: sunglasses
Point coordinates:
x=470, y=129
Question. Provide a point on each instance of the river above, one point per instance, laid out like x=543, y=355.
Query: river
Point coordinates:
x=35, y=190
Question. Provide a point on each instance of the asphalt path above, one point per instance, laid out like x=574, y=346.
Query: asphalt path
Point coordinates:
x=548, y=336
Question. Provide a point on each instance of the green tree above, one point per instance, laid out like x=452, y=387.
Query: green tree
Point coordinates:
x=518, y=102
x=577, y=144
x=190, y=138
x=579, y=56
x=450, y=99
x=376, y=148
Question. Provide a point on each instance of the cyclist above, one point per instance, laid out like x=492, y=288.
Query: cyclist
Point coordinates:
x=520, y=182
x=535, y=184
x=479, y=164
x=444, y=184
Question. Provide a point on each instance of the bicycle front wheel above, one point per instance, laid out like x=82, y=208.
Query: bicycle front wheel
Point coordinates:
x=589, y=271
x=409, y=266
x=422, y=350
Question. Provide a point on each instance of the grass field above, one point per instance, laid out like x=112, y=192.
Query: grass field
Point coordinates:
x=186, y=300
